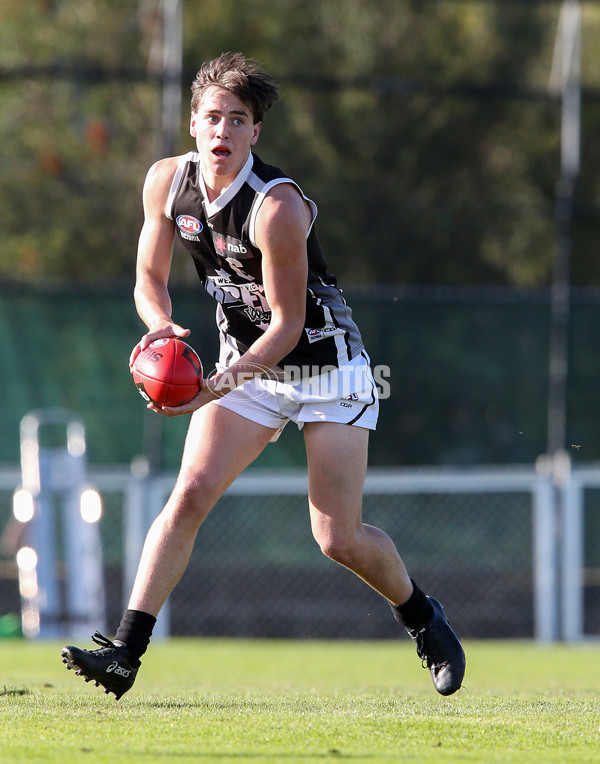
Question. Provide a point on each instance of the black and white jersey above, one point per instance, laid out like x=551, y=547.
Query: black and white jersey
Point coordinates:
x=220, y=236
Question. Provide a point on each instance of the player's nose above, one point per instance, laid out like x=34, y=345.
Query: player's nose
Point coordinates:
x=222, y=128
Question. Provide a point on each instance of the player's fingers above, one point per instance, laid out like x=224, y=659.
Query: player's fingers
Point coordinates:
x=172, y=330
x=134, y=354
x=186, y=408
x=146, y=340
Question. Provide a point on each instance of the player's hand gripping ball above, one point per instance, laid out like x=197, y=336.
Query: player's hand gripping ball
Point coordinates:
x=168, y=372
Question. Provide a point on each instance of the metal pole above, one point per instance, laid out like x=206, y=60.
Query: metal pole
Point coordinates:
x=567, y=69
x=566, y=80
x=171, y=75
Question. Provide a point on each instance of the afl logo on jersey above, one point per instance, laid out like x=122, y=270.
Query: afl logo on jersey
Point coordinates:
x=189, y=226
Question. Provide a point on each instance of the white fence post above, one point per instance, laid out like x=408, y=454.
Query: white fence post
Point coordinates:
x=572, y=539
x=545, y=556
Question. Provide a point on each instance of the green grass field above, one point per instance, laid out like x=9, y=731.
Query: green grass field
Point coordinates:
x=278, y=701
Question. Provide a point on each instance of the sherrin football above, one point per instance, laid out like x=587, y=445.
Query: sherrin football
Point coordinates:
x=168, y=372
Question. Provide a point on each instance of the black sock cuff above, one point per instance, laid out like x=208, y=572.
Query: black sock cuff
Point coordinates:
x=416, y=611
x=135, y=631
x=140, y=618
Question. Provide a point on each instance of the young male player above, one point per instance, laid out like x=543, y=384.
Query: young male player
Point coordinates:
x=289, y=351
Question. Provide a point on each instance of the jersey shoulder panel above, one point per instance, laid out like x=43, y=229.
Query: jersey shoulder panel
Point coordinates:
x=184, y=161
x=262, y=179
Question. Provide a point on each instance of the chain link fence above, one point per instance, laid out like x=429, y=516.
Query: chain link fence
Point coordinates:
x=257, y=572
x=468, y=537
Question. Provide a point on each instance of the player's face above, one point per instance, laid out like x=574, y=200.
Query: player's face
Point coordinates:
x=224, y=131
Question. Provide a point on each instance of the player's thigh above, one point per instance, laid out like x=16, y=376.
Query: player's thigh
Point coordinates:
x=337, y=464
x=219, y=445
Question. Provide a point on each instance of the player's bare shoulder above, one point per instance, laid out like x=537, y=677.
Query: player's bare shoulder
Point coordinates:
x=158, y=180
x=283, y=206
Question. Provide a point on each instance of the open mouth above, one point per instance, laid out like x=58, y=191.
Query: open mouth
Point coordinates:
x=221, y=153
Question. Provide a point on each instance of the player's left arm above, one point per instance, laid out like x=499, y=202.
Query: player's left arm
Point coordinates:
x=281, y=230
x=282, y=226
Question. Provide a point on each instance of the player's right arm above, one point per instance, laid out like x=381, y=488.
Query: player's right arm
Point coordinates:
x=155, y=252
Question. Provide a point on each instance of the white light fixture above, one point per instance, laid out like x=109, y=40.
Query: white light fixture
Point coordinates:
x=90, y=505
x=27, y=559
x=23, y=505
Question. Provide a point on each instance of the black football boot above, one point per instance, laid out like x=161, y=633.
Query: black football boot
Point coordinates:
x=110, y=665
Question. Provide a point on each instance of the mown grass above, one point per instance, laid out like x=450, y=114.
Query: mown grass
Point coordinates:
x=279, y=701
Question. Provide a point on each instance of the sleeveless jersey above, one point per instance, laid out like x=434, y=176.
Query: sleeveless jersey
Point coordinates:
x=219, y=236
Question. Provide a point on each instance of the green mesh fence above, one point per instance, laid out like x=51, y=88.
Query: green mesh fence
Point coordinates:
x=467, y=373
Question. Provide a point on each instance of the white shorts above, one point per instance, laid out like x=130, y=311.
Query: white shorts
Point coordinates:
x=347, y=395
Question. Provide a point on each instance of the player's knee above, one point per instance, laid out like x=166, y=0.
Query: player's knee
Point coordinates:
x=193, y=497
x=339, y=547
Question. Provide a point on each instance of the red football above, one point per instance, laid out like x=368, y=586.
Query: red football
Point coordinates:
x=168, y=372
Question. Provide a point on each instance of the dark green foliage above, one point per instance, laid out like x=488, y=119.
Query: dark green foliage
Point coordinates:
x=424, y=131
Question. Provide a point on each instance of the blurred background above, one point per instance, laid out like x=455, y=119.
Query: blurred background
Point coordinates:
x=451, y=147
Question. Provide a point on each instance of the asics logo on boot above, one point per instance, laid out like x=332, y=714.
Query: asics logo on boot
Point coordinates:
x=116, y=669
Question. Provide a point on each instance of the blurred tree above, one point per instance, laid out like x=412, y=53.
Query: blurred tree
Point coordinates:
x=420, y=128
x=74, y=148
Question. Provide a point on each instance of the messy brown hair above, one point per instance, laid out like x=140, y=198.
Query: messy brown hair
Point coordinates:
x=240, y=76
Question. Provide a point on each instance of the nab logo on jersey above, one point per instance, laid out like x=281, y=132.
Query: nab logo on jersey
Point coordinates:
x=189, y=225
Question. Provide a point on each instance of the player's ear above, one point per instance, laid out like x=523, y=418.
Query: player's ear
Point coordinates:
x=254, y=138
x=193, y=125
